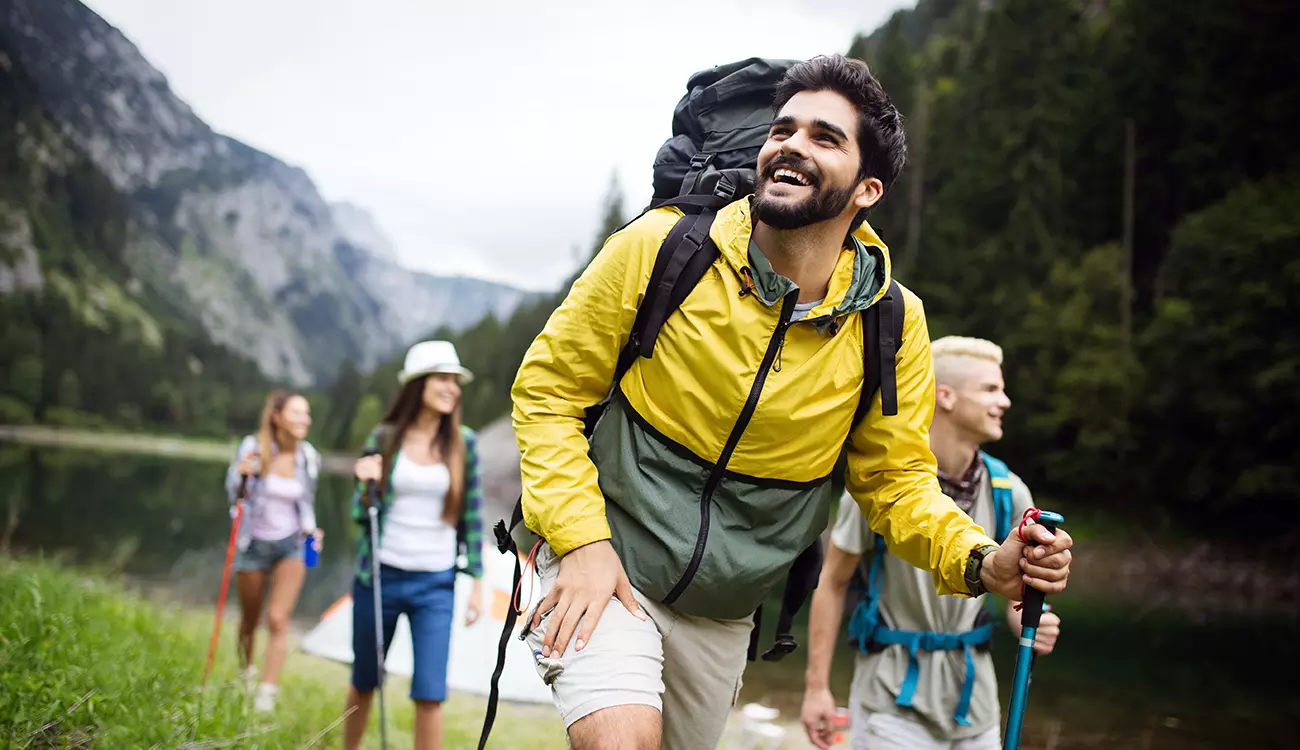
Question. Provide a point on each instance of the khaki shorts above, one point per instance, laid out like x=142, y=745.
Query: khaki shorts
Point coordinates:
x=689, y=668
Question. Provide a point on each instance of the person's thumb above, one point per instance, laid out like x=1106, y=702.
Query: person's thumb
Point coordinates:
x=1014, y=544
x=1037, y=533
x=624, y=593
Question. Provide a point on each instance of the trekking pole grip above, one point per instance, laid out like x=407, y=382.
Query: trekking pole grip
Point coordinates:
x=1032, y=610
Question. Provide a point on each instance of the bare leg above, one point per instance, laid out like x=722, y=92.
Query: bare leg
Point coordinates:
x=428, y=725
x=618, y=728
x=354, y=727
x=286, y=584
x=251, y=586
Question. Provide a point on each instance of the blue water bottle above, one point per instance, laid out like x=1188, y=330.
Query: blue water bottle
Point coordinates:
x=309, y=555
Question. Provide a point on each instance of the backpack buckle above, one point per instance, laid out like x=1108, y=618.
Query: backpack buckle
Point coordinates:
x=504, y=542
x=725, y=189
x=701, y=160
x=783, y=644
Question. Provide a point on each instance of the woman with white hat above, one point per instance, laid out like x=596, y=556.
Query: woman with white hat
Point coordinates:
x=425, y=464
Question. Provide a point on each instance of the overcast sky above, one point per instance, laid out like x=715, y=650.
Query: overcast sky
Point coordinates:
x=481, y=136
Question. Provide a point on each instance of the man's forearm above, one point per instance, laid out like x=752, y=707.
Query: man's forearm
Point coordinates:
x=824, y=618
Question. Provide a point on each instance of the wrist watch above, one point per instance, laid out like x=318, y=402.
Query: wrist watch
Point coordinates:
x=974, y=564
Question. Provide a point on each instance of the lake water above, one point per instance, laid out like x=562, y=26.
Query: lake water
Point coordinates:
x=1123, y=676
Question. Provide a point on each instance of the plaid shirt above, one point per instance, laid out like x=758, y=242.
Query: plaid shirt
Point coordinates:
x=469, y=529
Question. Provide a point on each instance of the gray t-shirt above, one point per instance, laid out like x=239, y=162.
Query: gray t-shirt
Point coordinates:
x=801, y=309
x=908, y=602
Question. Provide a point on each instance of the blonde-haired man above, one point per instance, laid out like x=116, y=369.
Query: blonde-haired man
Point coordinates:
x=924, y=678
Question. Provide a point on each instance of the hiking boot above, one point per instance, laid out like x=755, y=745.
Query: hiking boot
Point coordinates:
x=265, y=700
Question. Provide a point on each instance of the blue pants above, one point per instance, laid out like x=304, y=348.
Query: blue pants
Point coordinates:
x=427, y=600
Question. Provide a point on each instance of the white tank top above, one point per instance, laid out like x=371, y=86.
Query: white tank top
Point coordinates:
x=415, y=536
x=277, y=509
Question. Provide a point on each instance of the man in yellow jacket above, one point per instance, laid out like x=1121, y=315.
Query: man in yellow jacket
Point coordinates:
x=717, y=460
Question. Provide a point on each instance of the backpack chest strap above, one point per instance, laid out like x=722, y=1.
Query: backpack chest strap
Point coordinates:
x=916, y=641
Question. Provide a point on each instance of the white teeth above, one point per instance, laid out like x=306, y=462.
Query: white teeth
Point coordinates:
x=792, y=175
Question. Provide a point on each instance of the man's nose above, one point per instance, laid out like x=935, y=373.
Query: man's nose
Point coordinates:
x=795, y=145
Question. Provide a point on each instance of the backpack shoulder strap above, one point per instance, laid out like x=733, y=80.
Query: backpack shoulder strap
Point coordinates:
x=866, y=615
x=1000, y=481
x=312, y=457
x=882, y=333
x=684, y=257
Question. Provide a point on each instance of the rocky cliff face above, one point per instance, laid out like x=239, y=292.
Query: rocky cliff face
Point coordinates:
x=238, y=238
x=359, y=228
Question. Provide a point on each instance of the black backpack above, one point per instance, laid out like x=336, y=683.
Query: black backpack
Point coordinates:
x=718, y=128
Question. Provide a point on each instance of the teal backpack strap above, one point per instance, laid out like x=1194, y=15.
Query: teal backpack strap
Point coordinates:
x=866, y=616
x=1000, y=482
x=1000, y=479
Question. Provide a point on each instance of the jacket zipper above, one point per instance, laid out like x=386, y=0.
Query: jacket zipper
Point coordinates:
x=720, y=468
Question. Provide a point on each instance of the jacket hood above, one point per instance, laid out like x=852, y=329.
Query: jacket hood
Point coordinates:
x=861, y=274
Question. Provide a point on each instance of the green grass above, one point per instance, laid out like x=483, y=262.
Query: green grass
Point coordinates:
x=86, y=664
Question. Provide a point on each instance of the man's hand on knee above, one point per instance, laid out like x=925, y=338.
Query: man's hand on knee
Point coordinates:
x=588, y=578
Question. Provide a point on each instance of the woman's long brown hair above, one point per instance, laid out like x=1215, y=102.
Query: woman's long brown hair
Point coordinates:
x=275, y=402
x=401, y=414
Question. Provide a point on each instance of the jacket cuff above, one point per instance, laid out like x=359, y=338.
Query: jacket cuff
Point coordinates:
x=578, y=534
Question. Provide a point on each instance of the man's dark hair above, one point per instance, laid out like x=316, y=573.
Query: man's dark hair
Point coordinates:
x=880, y=126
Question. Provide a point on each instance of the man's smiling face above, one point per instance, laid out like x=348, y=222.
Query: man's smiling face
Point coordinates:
x=808, y=170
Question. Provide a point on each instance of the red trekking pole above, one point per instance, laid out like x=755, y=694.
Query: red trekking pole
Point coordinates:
x=225, y=575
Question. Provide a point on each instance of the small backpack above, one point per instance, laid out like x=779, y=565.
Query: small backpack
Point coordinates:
x=718, y=128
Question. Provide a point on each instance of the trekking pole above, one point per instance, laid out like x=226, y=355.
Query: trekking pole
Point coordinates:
x=225, y=575
x=1030, y=614
x=372, y=489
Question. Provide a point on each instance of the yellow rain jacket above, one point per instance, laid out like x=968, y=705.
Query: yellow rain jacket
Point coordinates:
x=718, y=459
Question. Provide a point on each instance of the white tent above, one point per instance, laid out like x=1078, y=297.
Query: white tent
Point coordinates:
x=473, y=648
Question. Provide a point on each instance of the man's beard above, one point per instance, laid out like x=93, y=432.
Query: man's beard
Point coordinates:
x=822, y=203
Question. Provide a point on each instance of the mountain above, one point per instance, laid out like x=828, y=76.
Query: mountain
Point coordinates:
x=359, y=228
x=231, y=237
x=83, y=340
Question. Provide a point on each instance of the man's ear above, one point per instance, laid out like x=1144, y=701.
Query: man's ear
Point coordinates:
x=868, y=193
x=945, y=397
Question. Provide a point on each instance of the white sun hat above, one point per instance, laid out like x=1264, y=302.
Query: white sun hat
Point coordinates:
x=429, y=357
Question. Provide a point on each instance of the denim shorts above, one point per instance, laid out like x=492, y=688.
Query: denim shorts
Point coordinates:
x=427, y=599
x=262, y=555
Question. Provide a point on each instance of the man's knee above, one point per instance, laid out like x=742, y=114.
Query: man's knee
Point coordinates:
x=618, y=728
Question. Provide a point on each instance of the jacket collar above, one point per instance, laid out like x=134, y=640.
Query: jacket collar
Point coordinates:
x=861, y=274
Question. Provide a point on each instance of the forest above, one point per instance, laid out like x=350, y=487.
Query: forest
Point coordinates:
x=1107, y=189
